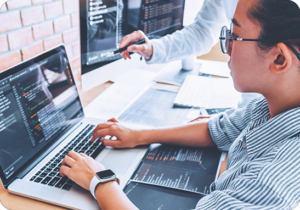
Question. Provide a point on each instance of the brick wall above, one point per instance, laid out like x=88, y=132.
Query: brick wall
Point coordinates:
x=29, y=27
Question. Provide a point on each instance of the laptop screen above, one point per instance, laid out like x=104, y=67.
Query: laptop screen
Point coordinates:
x=38, y=102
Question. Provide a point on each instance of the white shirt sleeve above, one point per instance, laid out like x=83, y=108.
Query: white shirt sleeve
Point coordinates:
x=197, y=38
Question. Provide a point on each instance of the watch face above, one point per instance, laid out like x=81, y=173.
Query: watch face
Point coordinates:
x=106, y=174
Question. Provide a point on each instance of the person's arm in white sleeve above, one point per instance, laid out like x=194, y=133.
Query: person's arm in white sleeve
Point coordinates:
x=197, y=38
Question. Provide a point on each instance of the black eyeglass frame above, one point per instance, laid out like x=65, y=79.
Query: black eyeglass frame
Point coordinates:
x=230, y=38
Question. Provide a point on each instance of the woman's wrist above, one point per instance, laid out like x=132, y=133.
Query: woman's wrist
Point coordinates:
x=144, y=137
x=149, y=57
x=100, y=188
x=110, y=196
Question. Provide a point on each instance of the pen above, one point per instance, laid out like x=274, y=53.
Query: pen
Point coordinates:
x=142, y=41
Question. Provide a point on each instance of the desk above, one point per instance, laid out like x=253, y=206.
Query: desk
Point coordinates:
x=14, y=202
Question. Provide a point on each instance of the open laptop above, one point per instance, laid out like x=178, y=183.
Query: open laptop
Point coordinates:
x=41, y=119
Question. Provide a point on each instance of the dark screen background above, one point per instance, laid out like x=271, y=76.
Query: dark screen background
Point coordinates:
x=36, y=105
x=103, y=23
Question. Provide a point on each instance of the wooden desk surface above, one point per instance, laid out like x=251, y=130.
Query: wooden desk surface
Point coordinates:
x=14, y=202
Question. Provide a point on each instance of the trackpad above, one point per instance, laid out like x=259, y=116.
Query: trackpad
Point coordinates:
x=119, y=160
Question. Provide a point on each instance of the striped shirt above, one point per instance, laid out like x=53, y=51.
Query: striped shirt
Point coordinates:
x=263, y=167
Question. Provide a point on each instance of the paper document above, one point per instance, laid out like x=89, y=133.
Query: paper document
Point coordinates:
x=204, y=92
x=214, y=68
x=154, y=109
x=112, y=101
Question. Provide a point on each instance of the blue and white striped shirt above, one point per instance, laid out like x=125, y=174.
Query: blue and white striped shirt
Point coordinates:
x=263, y=167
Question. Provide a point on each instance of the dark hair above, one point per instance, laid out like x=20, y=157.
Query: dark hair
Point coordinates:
x=279, y=20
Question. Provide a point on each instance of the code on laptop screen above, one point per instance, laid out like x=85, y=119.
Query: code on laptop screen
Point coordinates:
x=36, y=105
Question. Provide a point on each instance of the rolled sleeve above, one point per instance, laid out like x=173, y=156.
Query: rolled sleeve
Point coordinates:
x=159, y=52
x=226, y=127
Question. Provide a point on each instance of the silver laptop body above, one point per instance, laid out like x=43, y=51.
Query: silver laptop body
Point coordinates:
x=41, y=118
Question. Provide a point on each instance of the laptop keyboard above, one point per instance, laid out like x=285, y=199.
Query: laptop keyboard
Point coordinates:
x=49, y=174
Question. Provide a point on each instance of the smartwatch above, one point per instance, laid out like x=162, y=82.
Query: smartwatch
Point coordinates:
x=102, y=177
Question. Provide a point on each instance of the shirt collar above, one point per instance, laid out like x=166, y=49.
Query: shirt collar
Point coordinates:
x=261, y=109
x=279, y=128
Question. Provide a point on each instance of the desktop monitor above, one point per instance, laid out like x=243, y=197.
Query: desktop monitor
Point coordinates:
x=103, y=24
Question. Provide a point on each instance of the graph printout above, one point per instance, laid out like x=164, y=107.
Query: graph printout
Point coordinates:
x=185, y=168
x=143, y=195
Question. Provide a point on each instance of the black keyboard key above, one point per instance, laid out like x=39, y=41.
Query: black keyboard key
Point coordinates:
x=46, y=180
x=38, y=173
x=93, y=147
x=81, y=144
x=43, y=175
x=77, y=141
x=97, y=151
x=62, y=182
x=88, y=153
x=70, y=148
x=52, y=174
x=56, y=169
x=77, y=149
x=47, y=170
x=58, y=175
x=33, y=178
x=57, y=161
x=38, y=180
x=84, y=148
x=90, y=150
x=53, y=165
x=65, y=153
x=61, y=157
x=54, y=181
x=67, y=187
x=70, y=182
x=47, y=164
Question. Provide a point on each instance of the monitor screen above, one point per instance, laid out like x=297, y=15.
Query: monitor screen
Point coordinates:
x=103, y=24
x=37, y=103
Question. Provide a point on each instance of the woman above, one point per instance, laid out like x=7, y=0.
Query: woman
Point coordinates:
x=262, y=140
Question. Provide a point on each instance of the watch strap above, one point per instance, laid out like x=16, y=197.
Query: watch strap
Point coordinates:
x=95, y=181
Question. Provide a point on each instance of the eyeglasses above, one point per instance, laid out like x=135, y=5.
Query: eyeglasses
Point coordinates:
x=227, y=36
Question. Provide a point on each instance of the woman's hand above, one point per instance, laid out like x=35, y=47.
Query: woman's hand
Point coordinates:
x=145, y=50
x=80, y=168
x=126, y=138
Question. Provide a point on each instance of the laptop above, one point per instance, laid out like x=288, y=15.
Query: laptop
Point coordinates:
x=41, y=120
